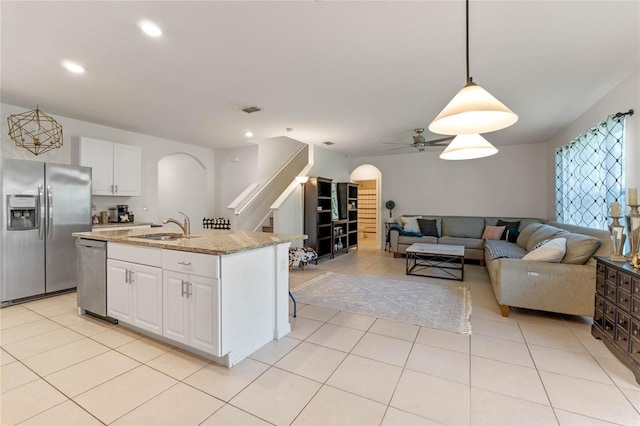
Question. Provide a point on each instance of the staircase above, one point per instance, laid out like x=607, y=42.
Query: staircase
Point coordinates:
x=269, y=227
x=252, y=208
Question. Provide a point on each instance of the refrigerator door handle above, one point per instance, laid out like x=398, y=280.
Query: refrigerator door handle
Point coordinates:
x=50, y=212
x=41, y=203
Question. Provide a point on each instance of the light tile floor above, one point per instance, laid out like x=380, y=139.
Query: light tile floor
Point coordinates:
x=531, y=368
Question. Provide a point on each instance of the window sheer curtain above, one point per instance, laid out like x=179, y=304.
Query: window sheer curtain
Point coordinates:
x=590, y=175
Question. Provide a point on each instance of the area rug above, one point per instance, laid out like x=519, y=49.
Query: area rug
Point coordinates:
x=440, y=306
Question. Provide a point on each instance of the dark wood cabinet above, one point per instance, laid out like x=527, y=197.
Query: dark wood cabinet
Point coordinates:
x=340, y=241
x=348, y=211
x=317, y=215
x=616, y=318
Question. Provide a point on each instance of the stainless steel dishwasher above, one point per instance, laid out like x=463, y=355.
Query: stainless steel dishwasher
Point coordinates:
x=92, y=277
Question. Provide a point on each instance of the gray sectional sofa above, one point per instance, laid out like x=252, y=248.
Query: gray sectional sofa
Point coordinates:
x=567, y=287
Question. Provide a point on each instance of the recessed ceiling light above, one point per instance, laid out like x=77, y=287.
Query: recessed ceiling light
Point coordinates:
x=73, y=67
x=248, y=133
x=150, y=28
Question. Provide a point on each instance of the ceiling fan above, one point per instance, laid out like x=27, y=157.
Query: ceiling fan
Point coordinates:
x=420, y=143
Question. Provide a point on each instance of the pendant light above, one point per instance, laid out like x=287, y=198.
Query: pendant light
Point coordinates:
x=468, y=147
x=473, y=110
x=35, y=131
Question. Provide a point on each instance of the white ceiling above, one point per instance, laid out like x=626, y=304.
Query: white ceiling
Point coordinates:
x=354, y=73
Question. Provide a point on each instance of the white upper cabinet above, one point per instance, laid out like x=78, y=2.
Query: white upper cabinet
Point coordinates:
x=126, y=170
x=116, y=167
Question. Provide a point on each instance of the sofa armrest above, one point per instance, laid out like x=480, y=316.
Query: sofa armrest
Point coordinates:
x=393, y=240
x=554, y=287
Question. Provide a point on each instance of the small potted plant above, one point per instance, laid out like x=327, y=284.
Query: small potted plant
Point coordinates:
x=390, y=205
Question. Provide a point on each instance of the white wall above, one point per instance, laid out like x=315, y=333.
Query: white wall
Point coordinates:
x=153, y=148
x=623, y=97
x=235, y=170
x=329, y=165
x=274, y=153
x=510, y=183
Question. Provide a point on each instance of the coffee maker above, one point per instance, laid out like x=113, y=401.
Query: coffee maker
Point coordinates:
x=123, y=213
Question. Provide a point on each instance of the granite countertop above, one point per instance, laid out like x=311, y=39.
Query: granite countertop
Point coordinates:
x=206, y=241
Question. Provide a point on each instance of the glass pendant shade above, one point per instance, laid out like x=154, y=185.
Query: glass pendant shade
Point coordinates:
x=472, y=111
x=468, y=147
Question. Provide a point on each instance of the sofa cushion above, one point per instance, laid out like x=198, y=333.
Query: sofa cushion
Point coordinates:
x=545, y=232
x=410, y=223
x=464, y=227
x=552, y=251
x=408, y=240
x=428, y=227
x=501, y=249
x=526, y=233
x=493, y=232
x=540, y=244
x=580, y=248
x=470, y=243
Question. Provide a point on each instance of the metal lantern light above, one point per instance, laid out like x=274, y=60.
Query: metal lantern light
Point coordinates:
x=35, y=131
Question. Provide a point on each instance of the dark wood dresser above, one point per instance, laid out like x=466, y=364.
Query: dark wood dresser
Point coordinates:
x=616, y=320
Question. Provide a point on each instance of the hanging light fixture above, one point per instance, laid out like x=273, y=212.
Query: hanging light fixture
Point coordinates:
x=468, y=147
x=473, y=110
x=35, y=131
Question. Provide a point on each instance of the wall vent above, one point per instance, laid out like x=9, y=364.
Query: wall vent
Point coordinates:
x=251, y=109
x=329, y=143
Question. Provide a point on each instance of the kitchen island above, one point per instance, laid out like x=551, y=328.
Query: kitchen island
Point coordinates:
x=219, y=294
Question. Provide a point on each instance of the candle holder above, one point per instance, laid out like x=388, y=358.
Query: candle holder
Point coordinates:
x=633, y=230
x=618, y=238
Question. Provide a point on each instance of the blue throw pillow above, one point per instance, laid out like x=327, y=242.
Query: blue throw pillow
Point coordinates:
x=510, y=231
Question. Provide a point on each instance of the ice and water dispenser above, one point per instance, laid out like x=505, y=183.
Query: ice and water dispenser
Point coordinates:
x=22, y=212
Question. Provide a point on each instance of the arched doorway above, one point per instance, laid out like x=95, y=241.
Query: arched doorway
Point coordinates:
x=369, y=180
x=182, y=186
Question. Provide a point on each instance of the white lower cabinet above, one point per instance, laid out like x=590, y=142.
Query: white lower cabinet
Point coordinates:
x=134, y=294
x=191, y=313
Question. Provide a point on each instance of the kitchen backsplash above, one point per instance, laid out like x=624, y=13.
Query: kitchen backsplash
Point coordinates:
x=141, y=213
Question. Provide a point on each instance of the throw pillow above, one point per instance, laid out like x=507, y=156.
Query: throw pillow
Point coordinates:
x=512, y=235
x=410, y=223
x=492, y=232
x=553, y=251
x=509, y=226
x=580, y=248
x=428, y=227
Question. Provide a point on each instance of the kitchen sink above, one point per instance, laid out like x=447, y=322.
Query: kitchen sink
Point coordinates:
x=163, y=237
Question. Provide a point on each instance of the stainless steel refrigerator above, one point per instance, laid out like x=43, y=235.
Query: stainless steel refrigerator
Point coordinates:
x=42, y=204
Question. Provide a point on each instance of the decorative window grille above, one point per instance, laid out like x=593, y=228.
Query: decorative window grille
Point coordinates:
x=590, y=175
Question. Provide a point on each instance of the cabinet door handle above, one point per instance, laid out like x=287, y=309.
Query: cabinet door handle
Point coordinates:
x=131, y=280
x=126, y=276
x=116, y=189
x=183, y=282
x=184, y=263
x=189, y=293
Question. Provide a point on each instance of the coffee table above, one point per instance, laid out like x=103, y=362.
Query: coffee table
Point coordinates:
x=436, y=260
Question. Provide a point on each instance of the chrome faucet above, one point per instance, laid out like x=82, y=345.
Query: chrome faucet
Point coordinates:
x=186, y=225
